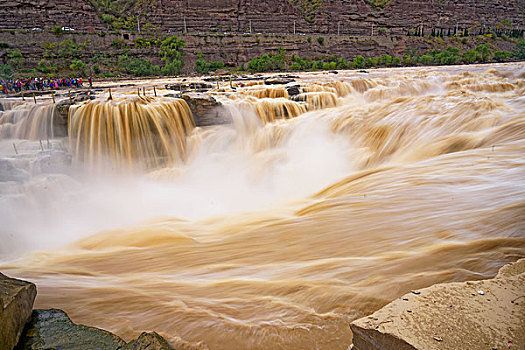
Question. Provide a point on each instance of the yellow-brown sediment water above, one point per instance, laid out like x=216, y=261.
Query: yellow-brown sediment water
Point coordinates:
x=27, y=121
x=149, y=131
x=277, y=233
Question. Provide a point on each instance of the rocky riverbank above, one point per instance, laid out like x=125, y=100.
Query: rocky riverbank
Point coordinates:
x=487, y=314
x=22, y=328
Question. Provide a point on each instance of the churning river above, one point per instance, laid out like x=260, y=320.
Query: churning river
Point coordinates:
x=278, y=230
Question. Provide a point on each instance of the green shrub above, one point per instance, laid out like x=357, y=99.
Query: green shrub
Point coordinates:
x=471, y=56
x=385, y=60
x=172, y=67
x=449, y=56
x=317, y=65
x=371, y=62
x=15, y=58
x=4, y=45
x=137, y=66
x=171, y=51
x=342, y=63
x=359, y=62
x=396, y=61
x=408, y=60
x=426, y=59
x=77, y=66
x=215, y=65
x=519, y=50
x=269, y=62
x=203, y=67
x=6, y=71
x=295, y=66
x=68, y=48
x=320, y=40
x=301, y=63
x=57, y=30
x=501, y=56
x=484, y=52
x=45, y=67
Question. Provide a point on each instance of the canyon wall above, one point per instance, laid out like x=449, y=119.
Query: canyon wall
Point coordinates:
x=273, y=16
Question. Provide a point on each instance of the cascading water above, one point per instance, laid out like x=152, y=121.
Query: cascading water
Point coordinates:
x=27, y=121
x=280, y=229
x=145, y=130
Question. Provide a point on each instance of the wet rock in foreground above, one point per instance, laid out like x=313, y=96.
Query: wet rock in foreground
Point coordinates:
x=16, y=302
x=53, y=329
x=206, y=109
x=148, y=341
x=488, y=314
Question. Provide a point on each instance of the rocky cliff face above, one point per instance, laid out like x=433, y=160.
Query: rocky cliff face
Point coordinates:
x=275, y=16
x=28, y=14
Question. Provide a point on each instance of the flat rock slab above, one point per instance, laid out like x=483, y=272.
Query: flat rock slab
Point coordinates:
x=53, y=329
x=16, y=302
x=488, y=314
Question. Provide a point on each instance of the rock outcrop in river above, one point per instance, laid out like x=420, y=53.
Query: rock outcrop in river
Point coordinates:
x=487, y=314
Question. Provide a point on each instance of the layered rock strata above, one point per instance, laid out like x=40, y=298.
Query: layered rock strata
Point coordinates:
x=273, y=16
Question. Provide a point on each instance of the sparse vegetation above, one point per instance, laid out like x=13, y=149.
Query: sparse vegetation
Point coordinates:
x=307, y=8
x=6, y=71
x=118, y=14
x=137, y=66
x=379, y=3
x=519, y=50
x=204, y=67
x=15, y=58
x=78, y=66
x=269, y=62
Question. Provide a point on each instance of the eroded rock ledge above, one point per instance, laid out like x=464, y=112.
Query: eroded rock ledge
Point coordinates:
x=487, y=314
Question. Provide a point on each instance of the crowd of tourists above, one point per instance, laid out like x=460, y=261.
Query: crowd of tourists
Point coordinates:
x=41, y=84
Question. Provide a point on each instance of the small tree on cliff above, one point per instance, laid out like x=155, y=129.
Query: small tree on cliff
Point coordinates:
x=171, y=50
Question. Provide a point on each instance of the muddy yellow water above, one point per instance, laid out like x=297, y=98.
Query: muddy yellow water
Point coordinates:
x=276, y=232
